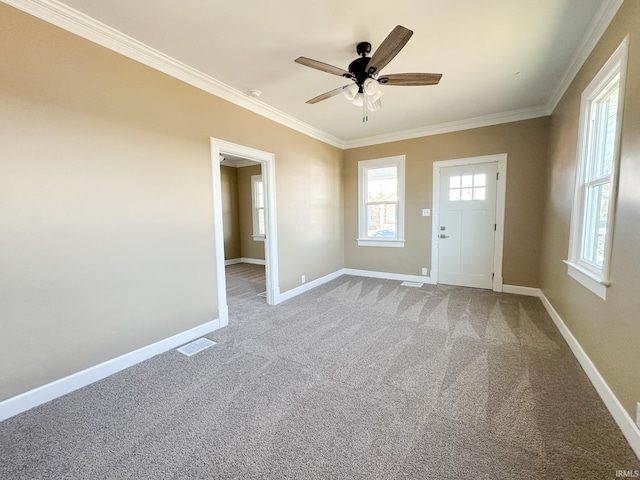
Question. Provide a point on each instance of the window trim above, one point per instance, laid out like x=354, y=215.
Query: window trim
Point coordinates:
x=593, y=278
x=363, y=240
x=257, y=236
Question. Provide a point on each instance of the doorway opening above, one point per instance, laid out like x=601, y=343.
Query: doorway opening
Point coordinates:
x=468, y=223
x=262, y=240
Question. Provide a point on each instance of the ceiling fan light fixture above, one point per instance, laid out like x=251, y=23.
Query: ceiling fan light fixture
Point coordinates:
x=364, y=71
x=374, y=105
x=371, y=86
x=350, y=91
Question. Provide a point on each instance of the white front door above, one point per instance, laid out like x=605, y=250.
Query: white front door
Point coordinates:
x=466, y=230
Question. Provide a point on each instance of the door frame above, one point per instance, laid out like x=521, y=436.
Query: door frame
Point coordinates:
x=267, y=162
x=501, y=193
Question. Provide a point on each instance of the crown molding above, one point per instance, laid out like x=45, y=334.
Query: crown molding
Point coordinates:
x=76, y=22
x=597, y=27
x=458, y=125
x=67, y=18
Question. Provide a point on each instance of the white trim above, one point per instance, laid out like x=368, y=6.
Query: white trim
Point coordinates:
x=233, y=163
x=370, y=242
x=458, y=125
x=254, y=261
x=45, y=393
x=389, y=276
x=501, y=195
x=620, y=415
x=587, y=279
x=593, y=34
x=267, y=160
x=595, y=279
x=518, y=290
x=397, y=161
x=91, y=29
x=294, y=292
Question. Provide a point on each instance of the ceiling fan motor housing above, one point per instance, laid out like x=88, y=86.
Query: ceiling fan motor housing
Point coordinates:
x=364, y=71
x=358, y=68
x=363, y=48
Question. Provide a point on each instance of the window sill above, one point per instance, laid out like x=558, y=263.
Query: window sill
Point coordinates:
x=587, y=279
x=258, y=238
x=370, y=242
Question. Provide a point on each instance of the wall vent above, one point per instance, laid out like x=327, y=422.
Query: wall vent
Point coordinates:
x=195, y=346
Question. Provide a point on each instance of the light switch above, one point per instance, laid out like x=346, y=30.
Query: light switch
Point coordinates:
x=426, y=212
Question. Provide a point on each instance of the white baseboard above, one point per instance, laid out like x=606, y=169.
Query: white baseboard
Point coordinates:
x=38, y=396
x=620, y=415
x=294, y=292
x=528, y=291
x=255, y=261
x=389, y=276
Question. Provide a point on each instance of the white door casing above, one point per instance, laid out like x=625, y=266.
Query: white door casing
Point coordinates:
x=267, y=161
x=467, y=238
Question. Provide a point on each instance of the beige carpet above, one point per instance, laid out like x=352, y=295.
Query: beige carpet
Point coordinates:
x=359, y=378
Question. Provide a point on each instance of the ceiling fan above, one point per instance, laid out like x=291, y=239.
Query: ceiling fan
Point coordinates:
x=365, y=72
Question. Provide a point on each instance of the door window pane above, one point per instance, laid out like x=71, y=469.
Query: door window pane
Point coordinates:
x=467, y=187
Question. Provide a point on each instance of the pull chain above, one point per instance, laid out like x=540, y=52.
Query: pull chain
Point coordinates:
x=365, y=117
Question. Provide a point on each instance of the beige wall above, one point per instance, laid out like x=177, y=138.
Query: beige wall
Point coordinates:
x=249, y=247
x=106, y=230
x=526, y=145
x=230, y=212
x=609, y=331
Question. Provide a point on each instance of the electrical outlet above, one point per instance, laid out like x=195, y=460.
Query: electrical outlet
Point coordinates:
x=638, y=414
x=303, y=279
x=425, y=272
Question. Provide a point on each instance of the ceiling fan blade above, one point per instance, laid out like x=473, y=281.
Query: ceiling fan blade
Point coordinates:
x=324, y=67
x=326, y=95
x=389, y=48
x=410, y=79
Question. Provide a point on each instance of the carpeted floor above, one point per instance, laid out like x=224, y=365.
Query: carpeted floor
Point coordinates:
x=358, y=379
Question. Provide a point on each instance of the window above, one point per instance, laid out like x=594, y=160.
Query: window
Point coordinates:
x=381, y=202
x=467, y=187
x=257, y=194
x=598, y=153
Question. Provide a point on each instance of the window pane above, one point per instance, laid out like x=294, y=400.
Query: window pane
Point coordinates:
x=466, y=193
x=479, y=193
x=467, y=181
x=595, y=223
x=381, y=220
x=479, y=180
x=454, y=182
x=602, y=132
x=609, y=114
x=382, y=184
x=454, y=194
x=259, y=194
x=261, y=229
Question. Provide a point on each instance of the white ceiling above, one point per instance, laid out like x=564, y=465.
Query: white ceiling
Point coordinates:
x=500, y=59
